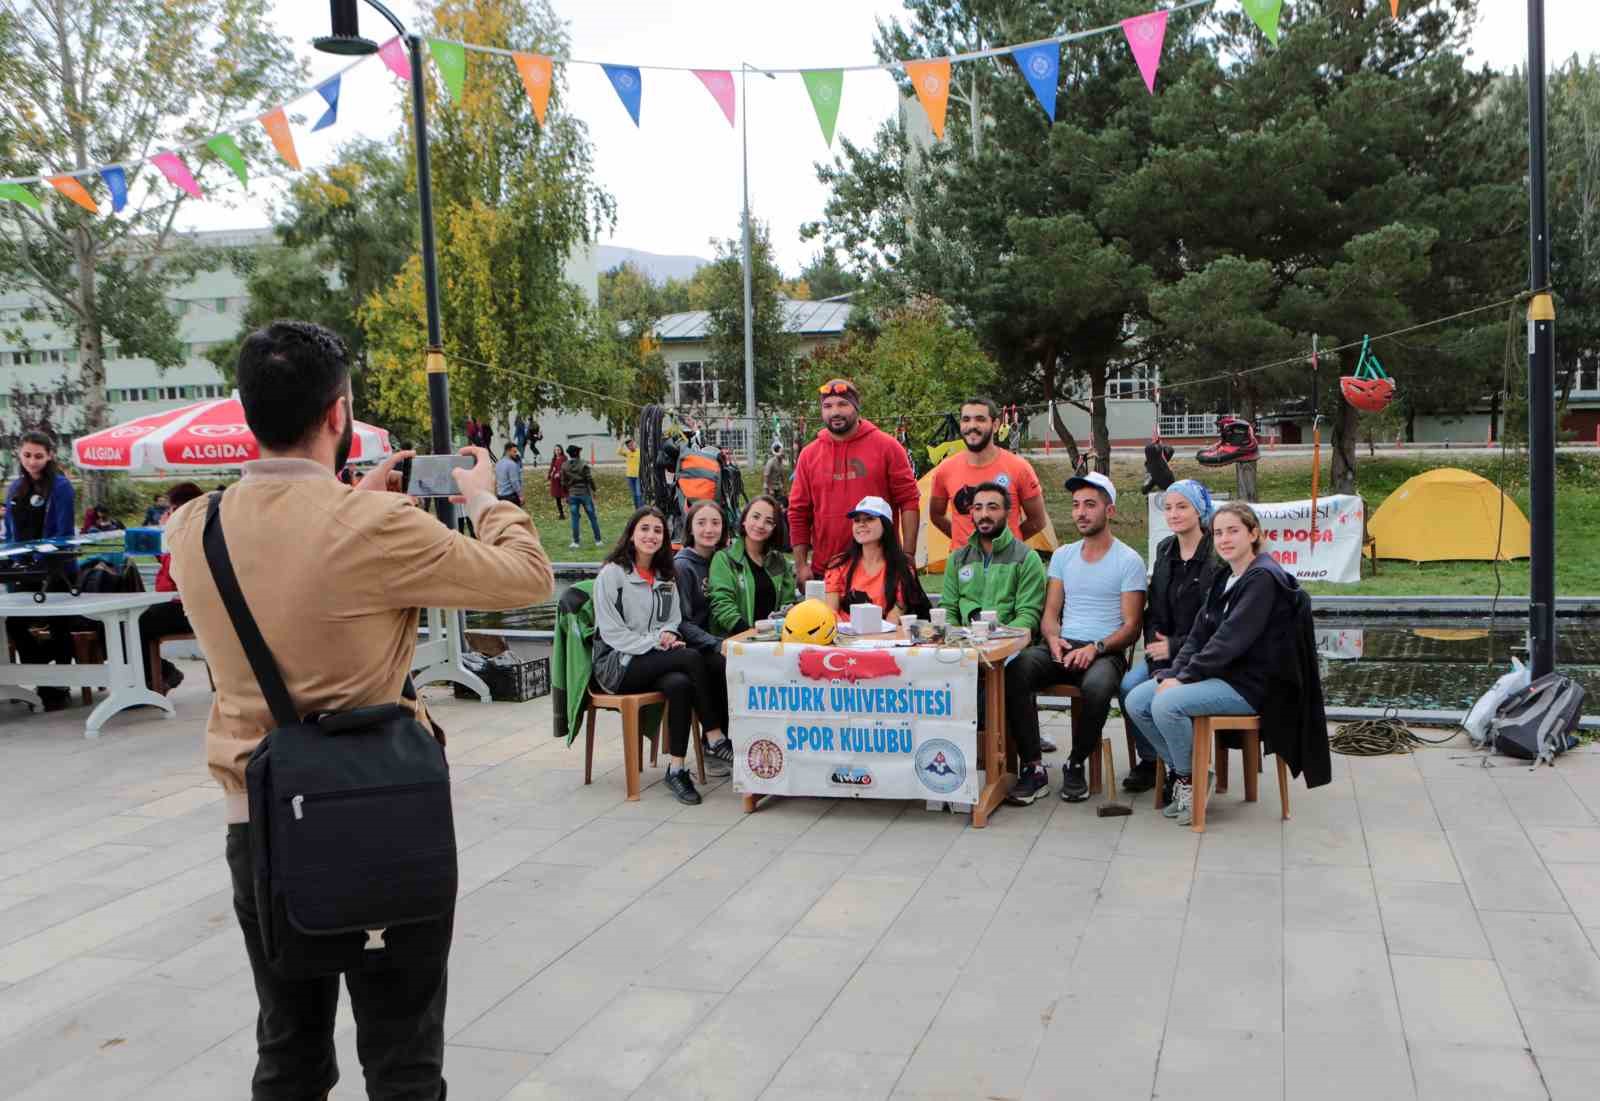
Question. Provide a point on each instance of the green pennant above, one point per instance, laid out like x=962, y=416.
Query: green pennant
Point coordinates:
x=19, y=194
x=1265, y=13
x=825, y=86
x=227, y=151
x=451, y=57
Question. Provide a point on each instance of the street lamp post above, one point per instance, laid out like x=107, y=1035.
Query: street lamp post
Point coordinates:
x=346, y=39
x=1541, y=372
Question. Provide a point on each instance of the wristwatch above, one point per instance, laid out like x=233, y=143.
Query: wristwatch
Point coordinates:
x=1099, y=647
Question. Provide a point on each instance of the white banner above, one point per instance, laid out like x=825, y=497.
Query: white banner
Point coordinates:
x=1286, y=532
x=855, y=722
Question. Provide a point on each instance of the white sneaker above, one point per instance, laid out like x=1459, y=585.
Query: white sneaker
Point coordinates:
x=1184, y=797
x=573, y=546
x=597, y=544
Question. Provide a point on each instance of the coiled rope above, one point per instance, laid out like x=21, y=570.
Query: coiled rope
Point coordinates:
x=1379, y=737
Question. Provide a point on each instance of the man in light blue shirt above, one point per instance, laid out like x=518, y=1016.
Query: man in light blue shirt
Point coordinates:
x=508, y=475
x=1093, y=611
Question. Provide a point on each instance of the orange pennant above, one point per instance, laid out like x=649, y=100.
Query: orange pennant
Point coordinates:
x=72, y=189
x=277, y=125
x=931, y=79
x=535, y=70
x=1394, y=8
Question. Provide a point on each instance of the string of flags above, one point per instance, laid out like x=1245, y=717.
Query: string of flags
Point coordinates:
x=1039, y=63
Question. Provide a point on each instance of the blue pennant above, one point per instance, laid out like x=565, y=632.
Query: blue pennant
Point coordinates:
x=625, y=79
x=329, y=90
x=117, y=183
x=1041, y=65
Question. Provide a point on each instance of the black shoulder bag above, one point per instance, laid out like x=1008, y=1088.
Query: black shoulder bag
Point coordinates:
x=350, y=821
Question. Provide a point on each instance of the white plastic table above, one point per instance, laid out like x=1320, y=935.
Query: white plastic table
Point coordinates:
x=439, y=658
x=121, y=675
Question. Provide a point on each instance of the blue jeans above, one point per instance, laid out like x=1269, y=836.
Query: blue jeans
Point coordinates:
x=574, y=503
x=1167, y=719
x=1133, y=678
x=633, y=488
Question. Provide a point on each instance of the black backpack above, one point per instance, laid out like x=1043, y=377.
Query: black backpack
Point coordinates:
x=1536, y=723
x=351, y=828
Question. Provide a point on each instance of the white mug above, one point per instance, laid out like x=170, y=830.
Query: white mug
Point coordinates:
x=979, y=629
x=816, y=590
x=989, y=617
x=939, y=617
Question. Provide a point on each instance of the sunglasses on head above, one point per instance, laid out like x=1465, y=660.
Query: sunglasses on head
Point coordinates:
x=837, y=388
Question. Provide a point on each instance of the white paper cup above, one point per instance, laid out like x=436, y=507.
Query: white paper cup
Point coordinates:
x=816, y=590
x=765, y=626
x=909, y=622
x=867, y=619
x=989, y=617
x=980, y=630
x=939, y=617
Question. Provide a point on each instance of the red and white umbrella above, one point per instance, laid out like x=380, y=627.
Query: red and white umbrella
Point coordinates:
x=210, y=433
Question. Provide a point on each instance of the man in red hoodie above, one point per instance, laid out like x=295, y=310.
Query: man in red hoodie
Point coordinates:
x=851, y=458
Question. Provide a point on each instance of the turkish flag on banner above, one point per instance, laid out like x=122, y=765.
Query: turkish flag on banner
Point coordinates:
x=835, y=663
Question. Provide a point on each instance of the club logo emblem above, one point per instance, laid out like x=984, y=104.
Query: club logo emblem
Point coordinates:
x=764, y=758
x=941, y=766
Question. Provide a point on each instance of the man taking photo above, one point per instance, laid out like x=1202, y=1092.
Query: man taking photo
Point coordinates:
x=334, y=576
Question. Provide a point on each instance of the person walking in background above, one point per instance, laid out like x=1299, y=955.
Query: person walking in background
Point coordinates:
x=578, y=476
x=956, y=478
x=508, y=476
x=630, y=458
x=558, y=487
x=775, y=475
x=519, y=433
x=850, y=459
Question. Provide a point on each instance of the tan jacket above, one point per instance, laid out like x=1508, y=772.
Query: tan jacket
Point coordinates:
x=334, y=577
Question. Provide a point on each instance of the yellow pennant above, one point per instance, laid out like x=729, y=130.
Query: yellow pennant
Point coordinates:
x=931, y=79
x=72, y=189
x=277, y=126
x=535, y=70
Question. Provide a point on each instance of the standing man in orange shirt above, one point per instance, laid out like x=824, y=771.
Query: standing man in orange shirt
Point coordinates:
x=958, y=477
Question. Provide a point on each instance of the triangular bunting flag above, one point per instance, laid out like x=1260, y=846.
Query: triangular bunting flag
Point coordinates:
x=1146, y=33
x=19, y=194
x=931, y=79
x=625, y=79
x=227, y=151
x=393, y=53
x=277, y=127
x=329, y=91
x=1265, y=13
x=535, y=70
x=1041, y=65
x=719, y=82
x=1394, y=8
x=72, y=189
x=116, y=180
x=825, y=86
x=451, y=58
x=173, y=168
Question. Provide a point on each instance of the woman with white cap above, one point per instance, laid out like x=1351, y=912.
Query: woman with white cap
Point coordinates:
x=874, y=569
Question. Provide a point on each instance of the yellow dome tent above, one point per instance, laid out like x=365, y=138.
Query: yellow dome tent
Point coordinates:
x=1447, y=515
x=933, y=545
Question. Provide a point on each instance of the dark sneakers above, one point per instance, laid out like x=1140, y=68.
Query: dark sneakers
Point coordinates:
x=682, y=786
x=1141, y=777
x=719, y=758
x=1074, y=783
x=1033, y=784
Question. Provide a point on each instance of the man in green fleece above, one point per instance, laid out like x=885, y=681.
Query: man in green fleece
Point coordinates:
x=996, y=572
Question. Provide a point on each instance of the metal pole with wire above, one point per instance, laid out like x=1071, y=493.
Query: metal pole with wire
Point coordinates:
x=1541, y=372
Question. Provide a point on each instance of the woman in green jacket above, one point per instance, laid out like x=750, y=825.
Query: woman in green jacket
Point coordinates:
x=751, y=578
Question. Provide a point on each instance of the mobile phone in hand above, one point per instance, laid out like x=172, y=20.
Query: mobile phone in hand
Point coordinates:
x=429, y=475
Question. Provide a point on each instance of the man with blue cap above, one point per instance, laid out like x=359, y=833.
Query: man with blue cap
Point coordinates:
x=1180, y=576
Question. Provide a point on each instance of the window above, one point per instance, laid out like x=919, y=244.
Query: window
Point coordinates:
x=1132, y=384
x=694, y=385
x=149, y=393
x=222, y=305
x=1586, y=377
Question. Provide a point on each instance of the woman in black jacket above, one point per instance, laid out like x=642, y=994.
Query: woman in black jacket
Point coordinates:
x=1233, y=659
x=1182, y=573
x=707, y=535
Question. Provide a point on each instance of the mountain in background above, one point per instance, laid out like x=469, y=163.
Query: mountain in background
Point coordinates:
x=658, y=267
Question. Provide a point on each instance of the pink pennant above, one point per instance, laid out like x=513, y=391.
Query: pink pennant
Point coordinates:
x=393, y=53
x=719, y=82
x=1146, y=33
x=173, y=168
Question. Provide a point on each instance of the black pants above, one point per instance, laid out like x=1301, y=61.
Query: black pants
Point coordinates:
x=1033, y=670
x=514, y=498
x=32, y=650
x=684, y=677
x=399, y=1016
x=162, y=619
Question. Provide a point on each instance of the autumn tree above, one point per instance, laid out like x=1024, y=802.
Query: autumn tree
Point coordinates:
x=777, y=381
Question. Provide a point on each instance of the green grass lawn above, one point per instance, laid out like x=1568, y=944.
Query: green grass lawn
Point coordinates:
x=1281, y=478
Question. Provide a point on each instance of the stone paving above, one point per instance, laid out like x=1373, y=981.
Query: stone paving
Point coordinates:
x=1423, y=928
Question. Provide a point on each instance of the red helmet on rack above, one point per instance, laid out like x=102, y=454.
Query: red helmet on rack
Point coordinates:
x=1370, y=395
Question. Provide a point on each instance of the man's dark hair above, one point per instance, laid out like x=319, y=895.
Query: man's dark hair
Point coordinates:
x=289, y=373
x=987, y=403
x=182, y=493
x=573, y=451
x=993, y=487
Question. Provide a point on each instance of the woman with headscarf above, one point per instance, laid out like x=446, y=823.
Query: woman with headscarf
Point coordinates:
x=1181, y=575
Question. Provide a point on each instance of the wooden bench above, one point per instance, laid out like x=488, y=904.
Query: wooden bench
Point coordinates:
x=630, y=706
x=1208, y=731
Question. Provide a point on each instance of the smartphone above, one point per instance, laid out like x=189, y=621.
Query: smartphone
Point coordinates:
x=429, y=475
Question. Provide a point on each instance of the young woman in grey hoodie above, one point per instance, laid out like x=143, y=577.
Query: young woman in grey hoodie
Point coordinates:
x=639, y=644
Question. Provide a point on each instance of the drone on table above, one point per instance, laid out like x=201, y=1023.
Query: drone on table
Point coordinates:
x=51, y=564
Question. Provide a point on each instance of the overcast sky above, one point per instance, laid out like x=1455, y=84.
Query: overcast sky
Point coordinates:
x=676, y=176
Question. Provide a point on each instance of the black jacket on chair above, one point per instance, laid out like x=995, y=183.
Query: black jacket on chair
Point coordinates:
x=1259, y=637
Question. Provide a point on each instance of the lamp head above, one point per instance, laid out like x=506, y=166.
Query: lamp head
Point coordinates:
x=346, y=37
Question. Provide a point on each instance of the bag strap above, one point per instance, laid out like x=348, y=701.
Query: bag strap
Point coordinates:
x=262, y=664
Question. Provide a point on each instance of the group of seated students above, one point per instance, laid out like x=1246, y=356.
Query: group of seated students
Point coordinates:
x=1203, y=614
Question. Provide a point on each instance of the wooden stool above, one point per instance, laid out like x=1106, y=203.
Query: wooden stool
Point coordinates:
x=88, y=648
x=629, y=707
x=152, y=646
x=1097, y=770
x=1208, y=730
